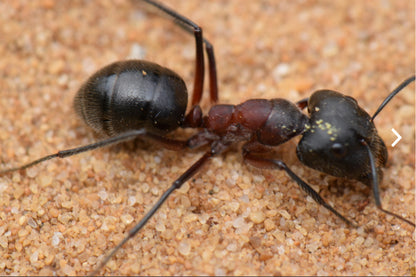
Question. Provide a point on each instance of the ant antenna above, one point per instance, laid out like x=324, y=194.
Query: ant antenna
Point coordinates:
x=375, y=186
x=392, y=94
x=374, y=182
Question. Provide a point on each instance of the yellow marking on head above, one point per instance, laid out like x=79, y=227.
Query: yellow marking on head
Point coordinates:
x=326, y=126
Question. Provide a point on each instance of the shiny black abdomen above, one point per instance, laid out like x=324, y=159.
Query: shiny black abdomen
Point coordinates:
x=131, y=95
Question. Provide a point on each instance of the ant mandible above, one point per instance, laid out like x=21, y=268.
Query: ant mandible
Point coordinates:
x=136, y=98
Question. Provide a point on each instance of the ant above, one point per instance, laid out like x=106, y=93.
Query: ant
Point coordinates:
x=137, y=98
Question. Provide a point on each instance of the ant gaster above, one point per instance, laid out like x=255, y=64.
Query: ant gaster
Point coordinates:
x=136, y=98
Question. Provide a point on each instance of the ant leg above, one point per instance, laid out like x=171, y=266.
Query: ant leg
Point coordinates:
x=190, y=26
x=212, y=69
x=216, y=149
x=74, y=151
x=375, y=187
x=198, y=140
x=165, y=142
x=277, y=164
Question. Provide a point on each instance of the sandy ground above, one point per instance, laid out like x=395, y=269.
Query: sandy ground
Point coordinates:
x=61, y=217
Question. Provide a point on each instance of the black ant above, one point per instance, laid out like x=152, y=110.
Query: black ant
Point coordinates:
x=136, y=98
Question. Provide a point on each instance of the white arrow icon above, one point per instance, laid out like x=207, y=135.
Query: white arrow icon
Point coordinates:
x=399, y=137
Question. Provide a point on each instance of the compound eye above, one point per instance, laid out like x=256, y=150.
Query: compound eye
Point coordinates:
x=338, y=150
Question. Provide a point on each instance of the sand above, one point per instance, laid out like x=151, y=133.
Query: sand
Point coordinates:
x=61, y=217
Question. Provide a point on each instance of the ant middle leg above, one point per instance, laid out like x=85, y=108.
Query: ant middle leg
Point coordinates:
x=191, y=171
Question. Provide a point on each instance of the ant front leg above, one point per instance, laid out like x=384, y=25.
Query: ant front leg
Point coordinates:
x=251, y=151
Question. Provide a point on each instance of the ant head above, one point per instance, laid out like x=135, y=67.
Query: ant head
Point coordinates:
x=337, y=137
x=341, y=140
